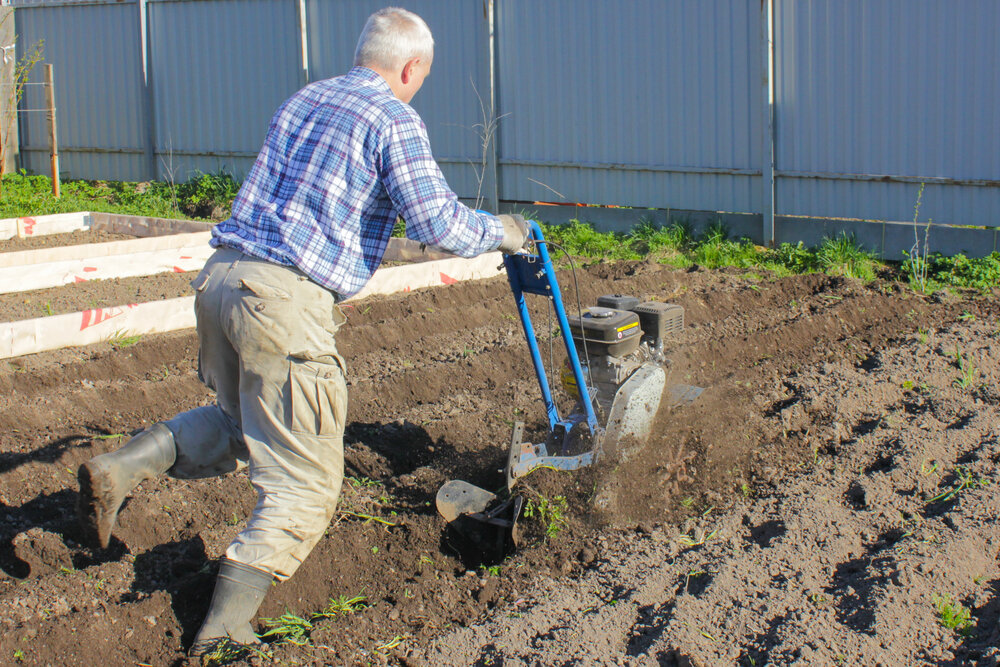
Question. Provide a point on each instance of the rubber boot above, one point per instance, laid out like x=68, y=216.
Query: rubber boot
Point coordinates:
x=239, y=591
x=107, y=479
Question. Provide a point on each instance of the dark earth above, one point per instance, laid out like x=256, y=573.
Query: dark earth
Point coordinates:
x=796, y=513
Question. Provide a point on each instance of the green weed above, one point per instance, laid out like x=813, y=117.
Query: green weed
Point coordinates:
x=362, y=482
x=122, y=339
x=395, y=642
x=551, y=513
x=966, y=368
x=227, y=651
x=964, y=479
x=843, y=256
x=953, y=615
x=694, y=540
x=288, y=629
x=343, y=605
x=47, y=309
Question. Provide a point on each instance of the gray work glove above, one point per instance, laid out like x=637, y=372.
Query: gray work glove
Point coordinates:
x=515, y=233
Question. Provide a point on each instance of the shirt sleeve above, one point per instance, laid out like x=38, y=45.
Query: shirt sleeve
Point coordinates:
x=421, y=195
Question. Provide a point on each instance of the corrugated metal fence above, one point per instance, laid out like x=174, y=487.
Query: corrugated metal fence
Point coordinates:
x=654, y=104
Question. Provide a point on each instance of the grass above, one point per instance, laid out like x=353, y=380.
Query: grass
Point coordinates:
x=953, y=615
x=210, y=196
x=678, y=245
x=202, y=196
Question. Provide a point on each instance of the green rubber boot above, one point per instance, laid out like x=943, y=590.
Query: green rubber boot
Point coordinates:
x=239, y=591
x=106, y=480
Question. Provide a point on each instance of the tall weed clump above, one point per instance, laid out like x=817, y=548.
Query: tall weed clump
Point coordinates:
x=844, y=256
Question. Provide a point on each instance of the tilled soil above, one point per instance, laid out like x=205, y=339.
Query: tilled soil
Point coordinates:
x=806, y=388
x=58, y=240
x=90, y=294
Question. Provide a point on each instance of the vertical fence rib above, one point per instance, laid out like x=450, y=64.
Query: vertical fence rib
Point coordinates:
x=304, y=41
x=492, y=175
x=147, y=89
x=767, y=152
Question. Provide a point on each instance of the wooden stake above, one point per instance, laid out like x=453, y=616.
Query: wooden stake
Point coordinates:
x=50, y=103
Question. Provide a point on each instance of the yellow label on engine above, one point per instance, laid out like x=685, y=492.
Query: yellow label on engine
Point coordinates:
x=569, y=381
x=627, y=326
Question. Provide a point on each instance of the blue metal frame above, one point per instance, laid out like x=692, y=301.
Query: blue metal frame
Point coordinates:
x=534, y=274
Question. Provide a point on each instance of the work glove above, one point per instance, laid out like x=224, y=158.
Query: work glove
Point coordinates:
x=515, y=233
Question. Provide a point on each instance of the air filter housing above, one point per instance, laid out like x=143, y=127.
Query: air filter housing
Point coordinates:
x=618, y=301
x=605, y=331
x=659, y=321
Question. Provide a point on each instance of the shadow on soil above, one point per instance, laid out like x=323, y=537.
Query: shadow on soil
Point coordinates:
x=182, y=570
x=47, y=454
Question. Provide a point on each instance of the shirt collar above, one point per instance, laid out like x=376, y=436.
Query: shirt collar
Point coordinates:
x=369, y=76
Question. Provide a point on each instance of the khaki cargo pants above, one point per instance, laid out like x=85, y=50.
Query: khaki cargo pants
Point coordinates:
x=267, y=349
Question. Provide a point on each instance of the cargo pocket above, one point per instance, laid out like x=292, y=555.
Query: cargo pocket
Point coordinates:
x=317, y=394
x=264, y=291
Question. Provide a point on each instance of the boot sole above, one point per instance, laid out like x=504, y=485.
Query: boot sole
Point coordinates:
x=92, y=505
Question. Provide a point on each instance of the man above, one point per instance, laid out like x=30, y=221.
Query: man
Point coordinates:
x=342, y=159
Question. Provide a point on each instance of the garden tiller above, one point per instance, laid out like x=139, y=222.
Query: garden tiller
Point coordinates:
x=615, y=370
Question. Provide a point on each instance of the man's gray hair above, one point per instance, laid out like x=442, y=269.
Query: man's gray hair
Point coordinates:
x=391, y=37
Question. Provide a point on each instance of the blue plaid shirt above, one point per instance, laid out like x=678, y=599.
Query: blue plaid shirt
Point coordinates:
x=342, y=158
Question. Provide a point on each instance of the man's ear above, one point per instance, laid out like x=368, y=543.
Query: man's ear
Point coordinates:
x=408, y=68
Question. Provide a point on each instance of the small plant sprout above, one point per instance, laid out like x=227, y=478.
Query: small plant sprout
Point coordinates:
x=964, y=479
x=491, y=570
x=687, y=503
x=288, y=629
x=362, y=482
x=391, y=644
x=953, y=615
x=966, y=316
x=926, y=469
x=227, y=651
x=122, y=339
x=922, y=335
x=966, y=368
x=342, y=605
x=918, y=255
x=550, y=512
x=695, y=541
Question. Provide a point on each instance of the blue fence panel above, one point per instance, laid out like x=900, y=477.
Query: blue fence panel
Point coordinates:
x=96, y=55
x=220, y=68
x=875, y=97
x=650, y=103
